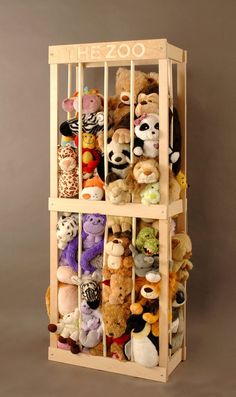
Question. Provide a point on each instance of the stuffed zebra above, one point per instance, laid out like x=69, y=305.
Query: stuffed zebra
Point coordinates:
x=92, y=122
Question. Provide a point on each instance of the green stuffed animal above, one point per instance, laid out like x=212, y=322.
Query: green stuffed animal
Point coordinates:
x=150, y=194
x=146, y=241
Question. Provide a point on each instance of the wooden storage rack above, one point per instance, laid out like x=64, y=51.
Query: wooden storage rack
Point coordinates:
x=162, y=55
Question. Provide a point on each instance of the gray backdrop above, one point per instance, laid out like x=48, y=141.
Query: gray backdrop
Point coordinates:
x=207, y=30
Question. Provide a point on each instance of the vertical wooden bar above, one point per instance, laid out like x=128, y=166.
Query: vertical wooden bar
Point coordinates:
x=182, y=109
x=164, y=224
x=106, y=75
x=171, y=105
x=132, y=70
x=53, y=193
x=79, y=88
x=69, y=86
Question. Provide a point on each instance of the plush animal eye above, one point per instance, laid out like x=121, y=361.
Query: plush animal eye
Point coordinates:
x=99, y=220
x=126, y=153
x=149, y=100
x=91, y=100
x=156, y=126
x=144, y=127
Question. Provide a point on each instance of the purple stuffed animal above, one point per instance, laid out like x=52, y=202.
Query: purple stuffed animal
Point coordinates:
x=92, y=235
x=69, y=255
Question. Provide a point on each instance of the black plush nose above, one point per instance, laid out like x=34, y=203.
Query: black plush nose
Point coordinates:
x=144, y=103
x=180, y=297
x=118, y=159
x=111, y=334
x=147, y=289
x=115, y=241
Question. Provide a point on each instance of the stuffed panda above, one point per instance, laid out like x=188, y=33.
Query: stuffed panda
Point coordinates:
x=118, y=155
x=146, y=141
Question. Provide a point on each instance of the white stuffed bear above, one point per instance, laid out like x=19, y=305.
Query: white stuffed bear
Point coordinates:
x=68, y=330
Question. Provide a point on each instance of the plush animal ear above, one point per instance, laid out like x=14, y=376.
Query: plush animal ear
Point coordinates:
x=100, y=96
x=67, y=105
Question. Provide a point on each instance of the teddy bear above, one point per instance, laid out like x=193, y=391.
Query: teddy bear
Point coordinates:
x=91, y=329
x=68, y=330
x=117, y=289
x=119, y=224
x=67, y=172
x=118, y=254
x=67, y=229
x=93, y=189
x=141, y=81
x=150, y=194
x=117, y=192
x=115, y=318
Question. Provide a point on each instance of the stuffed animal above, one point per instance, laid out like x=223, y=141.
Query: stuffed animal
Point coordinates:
x=146, y=234
x=181, y=179
x=148, y=301
x=144, y=171
x=141, y=81
x=68, y=330
x=117, y=109
x=91, y=329
x=118, y=155
x=150, y=194
x=93, y=189
x=122, y=130
x=181, y=247
x=92, y=235
x=174, y=188
x=89, y=288
x=90, y=156
x=117, y=192
x=118, y=253
x=67, y=229
x=147, y=103
x=67, y=173
x=117, y=290
x=92, y=102
x=146, y=142
x=68, y=256
x=182, y=268
x=119, y=224
x=114, y=318
x=143, y=346
x=144, y=263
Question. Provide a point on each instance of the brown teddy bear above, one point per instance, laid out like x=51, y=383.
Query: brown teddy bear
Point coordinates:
x=115, y=318
x=117, y=290
x=119, y=258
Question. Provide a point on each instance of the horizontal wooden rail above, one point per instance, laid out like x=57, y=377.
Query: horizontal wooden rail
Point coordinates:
x=103, y=207
x=118, y=53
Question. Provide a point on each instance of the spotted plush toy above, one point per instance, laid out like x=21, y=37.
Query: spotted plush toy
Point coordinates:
x=68, y=172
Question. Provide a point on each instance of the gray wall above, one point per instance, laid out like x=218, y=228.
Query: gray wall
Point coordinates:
x=207, y=30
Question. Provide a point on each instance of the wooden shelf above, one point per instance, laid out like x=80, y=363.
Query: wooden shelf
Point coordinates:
x=103, y=207
x=158, y=374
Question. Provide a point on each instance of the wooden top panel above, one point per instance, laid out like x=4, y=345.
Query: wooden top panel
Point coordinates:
x=115, y=52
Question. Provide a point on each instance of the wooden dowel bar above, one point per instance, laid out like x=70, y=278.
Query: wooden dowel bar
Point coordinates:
x=164, y=224
x=69, y=87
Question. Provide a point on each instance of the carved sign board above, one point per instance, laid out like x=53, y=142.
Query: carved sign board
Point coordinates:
x=111, y=51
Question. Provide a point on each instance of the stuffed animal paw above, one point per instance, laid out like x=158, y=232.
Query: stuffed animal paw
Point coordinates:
x=136, y=308
x=121, y=135
x=150, y=318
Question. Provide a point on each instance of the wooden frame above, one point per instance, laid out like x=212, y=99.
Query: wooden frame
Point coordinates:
x=130, y=53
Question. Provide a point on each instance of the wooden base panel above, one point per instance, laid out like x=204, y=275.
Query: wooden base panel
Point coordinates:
x=103, y=207
x=157, y=374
